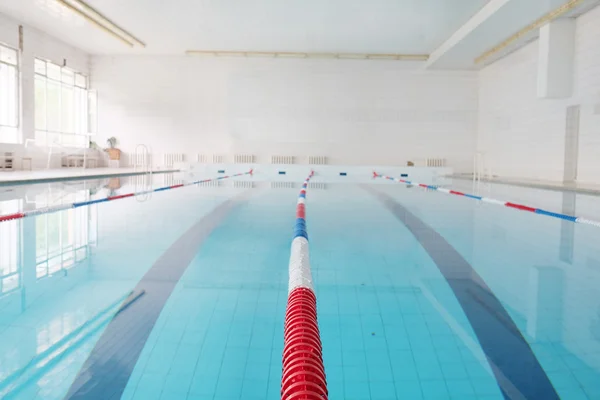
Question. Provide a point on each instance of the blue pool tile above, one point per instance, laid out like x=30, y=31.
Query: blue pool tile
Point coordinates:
x=257, y=371
x=407, y=371
x=178, y=383
x=575, y=393
x=486, y=387
x=146, y=394
x=169, y=395
x=274, y=389
x=563, y=380
x=454, y=371
x=357, y=373
x=231, y=388
x=460, y=388
x=202, y=385
x=356, y=390
x=353, y=357
x=429, y=370
x=253, y=389
x=408, y=389
x=434, y=389
x=380, y=372
x=151, y=382
x=382, y=390
x=335, y=389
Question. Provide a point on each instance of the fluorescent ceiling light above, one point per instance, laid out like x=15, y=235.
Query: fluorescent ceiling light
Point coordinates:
x=288, y=54
x=100, y=21
x=352, y=56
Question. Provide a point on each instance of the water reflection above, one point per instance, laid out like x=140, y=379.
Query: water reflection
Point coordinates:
x=42, y=246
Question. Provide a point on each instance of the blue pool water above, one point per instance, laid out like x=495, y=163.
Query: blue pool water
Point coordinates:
x=182, y=294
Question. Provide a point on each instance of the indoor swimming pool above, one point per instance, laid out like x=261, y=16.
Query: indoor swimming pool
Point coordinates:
x=181, y=294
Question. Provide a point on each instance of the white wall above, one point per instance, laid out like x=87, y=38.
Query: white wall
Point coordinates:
x=36, y=44
x=524, y=136
x=354, y=112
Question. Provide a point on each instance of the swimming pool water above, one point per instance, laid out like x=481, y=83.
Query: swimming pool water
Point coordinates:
x=182, y=295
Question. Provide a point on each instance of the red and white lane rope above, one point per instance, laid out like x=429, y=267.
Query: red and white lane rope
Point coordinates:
x=303, y=374
x=60, y=207
x=517, y=206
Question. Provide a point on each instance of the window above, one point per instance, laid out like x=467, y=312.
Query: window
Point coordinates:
x=9, y=96
x=61, y=106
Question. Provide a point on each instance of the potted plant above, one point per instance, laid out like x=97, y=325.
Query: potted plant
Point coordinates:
x=113, y=152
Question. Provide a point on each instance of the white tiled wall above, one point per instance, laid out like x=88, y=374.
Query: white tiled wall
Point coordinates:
x=352, y=112
x=523, y=136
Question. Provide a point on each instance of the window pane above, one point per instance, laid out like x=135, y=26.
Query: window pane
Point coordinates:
x=69, y=140
x=40, y=138
x=82, y=141
x=68, y=76
x=67, y=110
x=40, y=67
x=80, y=81
x=81, y=111
x=40, y=103
x=53, y=71
x=53, y=109
x=8, y=96
x=12, y=97
x=8, y=55
x=93, y=112
x=4, y=94
x=53, y=138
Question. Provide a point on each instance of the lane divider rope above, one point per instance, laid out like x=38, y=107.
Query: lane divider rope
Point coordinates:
x=303, y=373
x=60, y=207
x=516, y=206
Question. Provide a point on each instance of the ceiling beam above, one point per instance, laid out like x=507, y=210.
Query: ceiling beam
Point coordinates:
x=464, y=31
x=549, y=17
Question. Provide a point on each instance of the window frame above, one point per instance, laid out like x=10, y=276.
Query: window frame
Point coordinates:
x=77, y=83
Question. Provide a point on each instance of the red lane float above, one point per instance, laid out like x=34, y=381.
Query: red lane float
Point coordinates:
x=303, y=374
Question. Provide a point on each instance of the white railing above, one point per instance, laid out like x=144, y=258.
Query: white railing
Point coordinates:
x=169, y=159
x=141, y=159
x=436, y=162
x=51, y=152
x=317, y=160
x=283, y=185
x=283, y=160
x=243, y=159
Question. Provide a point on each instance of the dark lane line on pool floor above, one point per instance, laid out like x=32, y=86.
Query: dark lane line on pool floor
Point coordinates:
x=515, y=366
x=106, y=372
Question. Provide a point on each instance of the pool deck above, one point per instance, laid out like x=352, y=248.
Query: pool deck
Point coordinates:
x=577, y=187
x=68, y=174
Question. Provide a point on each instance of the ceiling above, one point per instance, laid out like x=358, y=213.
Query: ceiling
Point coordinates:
x=453, y=32
x=174, y=26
